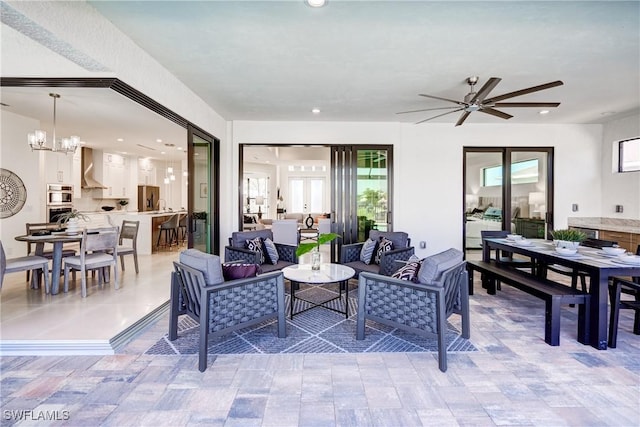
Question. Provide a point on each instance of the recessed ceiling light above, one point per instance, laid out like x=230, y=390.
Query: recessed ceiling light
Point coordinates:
x=179, y=148
x=316, y=3
x=158, y=140
x=316, y=111
x=162, y=152
x=119, y=139
x=543, y=112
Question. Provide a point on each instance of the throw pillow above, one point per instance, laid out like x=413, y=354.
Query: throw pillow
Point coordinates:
x=385, y=245
x=208, y=264
x=409, y=271
x=368, y=248
x=433, y=266
x=270, y=251
x=235, y=271
x=255, y=245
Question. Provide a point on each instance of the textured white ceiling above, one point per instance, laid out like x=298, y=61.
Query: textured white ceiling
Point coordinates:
x=367, y=60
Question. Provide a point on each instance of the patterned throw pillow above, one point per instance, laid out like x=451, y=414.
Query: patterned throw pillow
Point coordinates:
x=409, y=271
x=385, y=245
x=270, y=251
x=368, y=248
x=255, y=245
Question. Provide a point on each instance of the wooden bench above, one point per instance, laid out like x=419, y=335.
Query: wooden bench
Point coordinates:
x=554, y=295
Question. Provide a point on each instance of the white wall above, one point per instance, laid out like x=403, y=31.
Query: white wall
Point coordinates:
x=428, y=165
x=619, y=188
x=16, y=156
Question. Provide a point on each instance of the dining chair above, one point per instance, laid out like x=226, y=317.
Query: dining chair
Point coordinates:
x=98, y=250
x=68, y=249
x=182, y=227
x=505, y=258
x=576, y=274
x=617, y=287
x=25, y=263
x=129, y=233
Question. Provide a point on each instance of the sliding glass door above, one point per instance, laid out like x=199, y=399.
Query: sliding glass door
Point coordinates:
x=203, y=225
x=521, y=176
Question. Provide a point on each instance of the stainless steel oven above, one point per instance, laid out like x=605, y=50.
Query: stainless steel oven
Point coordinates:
x=53, y=212
x=59, y=195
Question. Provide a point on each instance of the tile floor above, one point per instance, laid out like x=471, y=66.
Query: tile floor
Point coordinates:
x=514, y=379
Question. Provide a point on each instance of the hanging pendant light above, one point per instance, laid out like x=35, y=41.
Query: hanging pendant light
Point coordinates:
x=37, y=139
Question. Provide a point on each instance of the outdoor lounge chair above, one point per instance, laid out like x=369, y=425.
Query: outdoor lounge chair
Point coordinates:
x=198, y=290
x=238, y=251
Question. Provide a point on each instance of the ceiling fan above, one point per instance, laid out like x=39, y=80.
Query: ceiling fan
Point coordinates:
x=478, y=101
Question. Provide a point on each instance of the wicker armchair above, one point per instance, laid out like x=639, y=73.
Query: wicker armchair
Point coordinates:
x=416, y=307
x=236, y=250
x=350, y=254
x=226, y=306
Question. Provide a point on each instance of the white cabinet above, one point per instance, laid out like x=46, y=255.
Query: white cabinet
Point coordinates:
x=115, y=176
x=146, y=172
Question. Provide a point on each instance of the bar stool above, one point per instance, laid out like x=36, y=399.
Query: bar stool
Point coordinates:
x=170, y=229
x=182, y=227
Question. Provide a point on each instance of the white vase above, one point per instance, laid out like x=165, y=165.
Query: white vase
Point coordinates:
x=72, y=226
x=568, y=244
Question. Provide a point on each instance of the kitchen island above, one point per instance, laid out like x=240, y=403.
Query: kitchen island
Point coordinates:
x=147, y=232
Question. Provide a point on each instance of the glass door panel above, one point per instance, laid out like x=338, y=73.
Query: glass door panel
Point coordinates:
x=203, y=225
x=372, y=192
x=529, y=193
x=483, y=195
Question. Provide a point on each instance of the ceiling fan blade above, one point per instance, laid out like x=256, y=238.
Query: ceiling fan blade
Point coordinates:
x=426, y=109
x=525, y=104
x=484, y=91
x=442, y=99
x=524, y=91
x=439, y=115
x=495, y=113
x=462, y=118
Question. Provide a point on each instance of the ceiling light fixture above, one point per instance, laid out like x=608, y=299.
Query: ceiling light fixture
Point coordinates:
x=316, y=3
x=316, y=111
x=37, y=139
x=543, y=112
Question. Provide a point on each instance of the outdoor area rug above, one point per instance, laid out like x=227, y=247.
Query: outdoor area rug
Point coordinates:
x=315, y=331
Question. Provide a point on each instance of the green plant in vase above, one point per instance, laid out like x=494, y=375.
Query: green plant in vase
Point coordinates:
x=70, y=220
x=304, y=248
x=568, y=238
x=123, y=203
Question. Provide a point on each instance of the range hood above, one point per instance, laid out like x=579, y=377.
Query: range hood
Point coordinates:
x=88, y=181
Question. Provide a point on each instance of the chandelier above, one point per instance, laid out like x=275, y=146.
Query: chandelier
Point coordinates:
x=37, y=139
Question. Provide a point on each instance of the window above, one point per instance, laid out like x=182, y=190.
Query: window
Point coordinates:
x=306, y=195
x=524, y=172
x=629, y=155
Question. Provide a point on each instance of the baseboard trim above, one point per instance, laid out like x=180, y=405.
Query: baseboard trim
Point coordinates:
x=81, y=347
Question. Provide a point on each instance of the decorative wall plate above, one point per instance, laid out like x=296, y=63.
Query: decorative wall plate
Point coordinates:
x=13, y=193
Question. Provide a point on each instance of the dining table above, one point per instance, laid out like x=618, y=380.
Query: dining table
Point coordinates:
x=598, y=265
x=57, y=240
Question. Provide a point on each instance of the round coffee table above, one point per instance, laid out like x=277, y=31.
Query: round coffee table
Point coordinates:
x=328, y=273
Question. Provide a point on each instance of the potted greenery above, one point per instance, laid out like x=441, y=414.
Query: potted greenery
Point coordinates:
x=568, y=238
x=123, y=203
x=304, y=248
x=70, y=220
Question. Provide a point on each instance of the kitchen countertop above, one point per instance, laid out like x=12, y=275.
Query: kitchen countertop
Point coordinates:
x=608, y=224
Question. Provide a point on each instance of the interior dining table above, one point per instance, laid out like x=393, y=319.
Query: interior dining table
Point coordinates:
x=594, y=262
x=58, y=240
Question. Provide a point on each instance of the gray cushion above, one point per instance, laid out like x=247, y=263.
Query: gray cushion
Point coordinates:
x=271, y=251
x=368, y=248
x=400, y=239
x=238, y=238
x=208, y=264
x=433, y=266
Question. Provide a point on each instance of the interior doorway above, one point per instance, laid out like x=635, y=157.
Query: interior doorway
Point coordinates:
x=523, y=177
